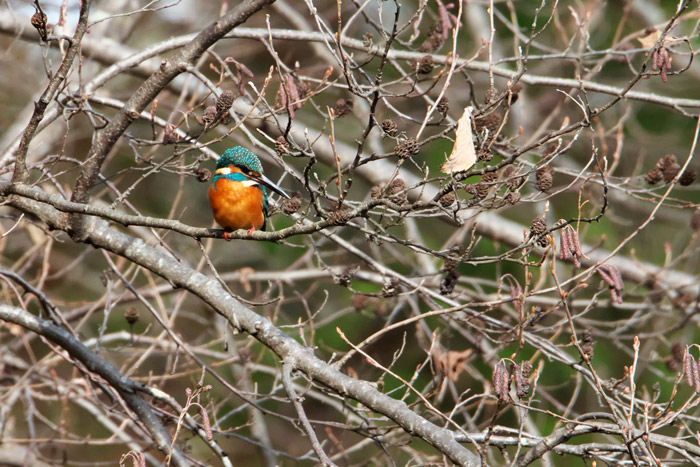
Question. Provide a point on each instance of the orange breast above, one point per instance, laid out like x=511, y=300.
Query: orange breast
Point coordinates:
x=236, y=206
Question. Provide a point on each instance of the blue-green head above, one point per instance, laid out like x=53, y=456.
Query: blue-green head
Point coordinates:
x=247, y=167
x=241, y=158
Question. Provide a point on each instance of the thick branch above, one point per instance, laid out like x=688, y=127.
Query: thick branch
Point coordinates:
x=126, y=387
x=169, y=69
x=490, y=225
x=100, y=235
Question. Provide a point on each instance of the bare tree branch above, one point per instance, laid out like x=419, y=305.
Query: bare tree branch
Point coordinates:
x=127, y=389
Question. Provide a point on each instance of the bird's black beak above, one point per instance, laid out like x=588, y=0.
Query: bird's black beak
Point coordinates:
x=262, y=179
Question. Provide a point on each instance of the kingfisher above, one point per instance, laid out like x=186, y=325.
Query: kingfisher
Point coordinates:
x=238, y=193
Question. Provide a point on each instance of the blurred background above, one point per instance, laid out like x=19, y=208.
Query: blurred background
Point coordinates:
x=318, y=92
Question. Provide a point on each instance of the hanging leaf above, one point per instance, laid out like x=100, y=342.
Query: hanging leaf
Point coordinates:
x=650, y=39
x=452, y=363
x=463, y=154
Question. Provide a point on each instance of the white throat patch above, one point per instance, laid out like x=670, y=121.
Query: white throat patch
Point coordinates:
x=227, y=171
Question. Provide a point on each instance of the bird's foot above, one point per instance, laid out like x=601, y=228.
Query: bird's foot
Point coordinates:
x=251, y=230
x=226, y=232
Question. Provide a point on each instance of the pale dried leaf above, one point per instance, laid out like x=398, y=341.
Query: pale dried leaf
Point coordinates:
x=449, y=364
x=650, y=39
x=455, y=361
x=463, y=154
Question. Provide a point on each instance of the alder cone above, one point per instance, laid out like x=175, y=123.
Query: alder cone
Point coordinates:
x=544, y=178
x=489, y=122
x=654, y=176
x=224, y=102
x=390, y=127
x=407, y=148
x=671, y=171
x=448, y=199
x=688, y=177
x=281, y=146
x=426, y=65
x=538, y=225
